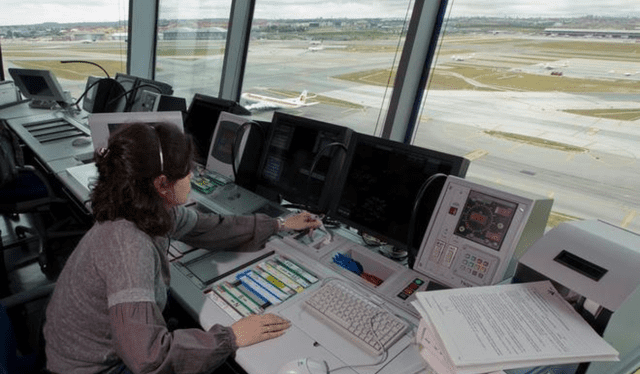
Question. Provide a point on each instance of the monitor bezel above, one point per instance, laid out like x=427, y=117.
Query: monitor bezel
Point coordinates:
x=99, y=123
x=50, y=79
x=138, y=86
x=323, y=203
x=459, y=169
x=203, y=133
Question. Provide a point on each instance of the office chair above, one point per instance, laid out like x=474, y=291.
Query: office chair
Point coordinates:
x=10, y=361
x=31, y=195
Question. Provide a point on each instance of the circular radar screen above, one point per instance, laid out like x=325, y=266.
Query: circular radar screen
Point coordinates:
x=485, y=219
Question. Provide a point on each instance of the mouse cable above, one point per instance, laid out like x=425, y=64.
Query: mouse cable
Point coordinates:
x=383, y=357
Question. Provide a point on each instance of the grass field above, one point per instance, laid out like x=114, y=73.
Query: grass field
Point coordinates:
x=494, y=71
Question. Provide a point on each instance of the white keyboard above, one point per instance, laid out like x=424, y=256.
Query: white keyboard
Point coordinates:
x=356, y=317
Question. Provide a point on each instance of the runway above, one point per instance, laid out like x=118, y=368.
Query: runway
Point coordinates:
x=593, y=174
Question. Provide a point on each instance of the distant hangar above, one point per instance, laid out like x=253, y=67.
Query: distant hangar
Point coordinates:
x=622, y=34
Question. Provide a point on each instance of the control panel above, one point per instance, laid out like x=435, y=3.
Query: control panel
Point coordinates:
x=477, y=233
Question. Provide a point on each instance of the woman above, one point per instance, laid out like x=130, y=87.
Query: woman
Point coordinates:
x=105, y=314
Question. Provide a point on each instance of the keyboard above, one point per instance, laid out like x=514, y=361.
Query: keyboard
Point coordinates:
x=356, y=317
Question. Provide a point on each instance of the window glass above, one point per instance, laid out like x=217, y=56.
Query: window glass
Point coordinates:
x=544, y=97
x=191, y=44
x=41, y=34
x=330, y=61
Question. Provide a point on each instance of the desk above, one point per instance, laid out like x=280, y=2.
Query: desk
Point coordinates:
x=307, y=337
x=50, y=135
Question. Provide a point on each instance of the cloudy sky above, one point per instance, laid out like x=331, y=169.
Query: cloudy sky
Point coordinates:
x=16, y=12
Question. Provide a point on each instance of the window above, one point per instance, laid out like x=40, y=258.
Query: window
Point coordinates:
x=38, y=35
x=191, y=45
x=326, y=61
x=544, y=98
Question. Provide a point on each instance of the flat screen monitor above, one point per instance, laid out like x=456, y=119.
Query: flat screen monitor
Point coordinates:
x=380, y=183
x=102, y=125
x=294, y=143
x=201, y=119
x=38, y=85
x=135, y=88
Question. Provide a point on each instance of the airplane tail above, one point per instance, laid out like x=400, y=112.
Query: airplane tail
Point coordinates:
x=302, y=99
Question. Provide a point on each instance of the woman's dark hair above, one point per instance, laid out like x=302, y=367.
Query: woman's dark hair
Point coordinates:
x=135, y=156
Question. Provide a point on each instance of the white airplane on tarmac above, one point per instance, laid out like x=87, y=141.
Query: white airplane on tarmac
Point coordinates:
x=261, y=102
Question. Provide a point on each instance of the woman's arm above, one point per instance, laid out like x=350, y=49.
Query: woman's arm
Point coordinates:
x=145, y=345
x=240, y=233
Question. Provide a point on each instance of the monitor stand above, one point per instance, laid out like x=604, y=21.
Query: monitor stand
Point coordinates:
x=394, y=253
x=42, y=104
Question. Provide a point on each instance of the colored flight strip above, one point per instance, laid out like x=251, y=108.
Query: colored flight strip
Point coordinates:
x=226, y=296
x=295, y=277
x=220, y=302
x=269, y=282
x=271, y=270
x=255, y=288
x=297, y=269
x=263, y=286
x=243, y=299
x=274, y=281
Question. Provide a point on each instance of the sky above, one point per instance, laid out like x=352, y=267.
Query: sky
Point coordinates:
x=27, y=12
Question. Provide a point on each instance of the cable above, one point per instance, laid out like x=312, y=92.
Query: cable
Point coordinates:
x=86, y=62
x=87, y=90
x=385, y=351
x=414, y=211
x=240, y=132
x=134, y=89
x=313, y=166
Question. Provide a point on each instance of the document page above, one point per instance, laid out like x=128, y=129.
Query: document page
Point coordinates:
x=509, y=326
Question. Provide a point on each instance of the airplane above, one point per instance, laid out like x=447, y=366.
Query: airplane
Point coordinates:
x=262, y=102
x=315, y=46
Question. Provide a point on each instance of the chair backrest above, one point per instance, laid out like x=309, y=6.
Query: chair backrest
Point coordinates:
x=11, y=155
x=10, y=362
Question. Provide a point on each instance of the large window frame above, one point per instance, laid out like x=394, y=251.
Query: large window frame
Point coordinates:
x=408, y=87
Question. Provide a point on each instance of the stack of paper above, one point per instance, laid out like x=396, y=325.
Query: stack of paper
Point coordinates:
x=484, y=329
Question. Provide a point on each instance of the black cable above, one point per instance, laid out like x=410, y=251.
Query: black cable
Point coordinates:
x=131, y=99
x=130, y=91
x=86, y=62
x=240, y=132
x=87, y=90
x=313, y=166
x=414, y=211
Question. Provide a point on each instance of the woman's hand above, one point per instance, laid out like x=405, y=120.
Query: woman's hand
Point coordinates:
x=302, y=221
x=256, y=328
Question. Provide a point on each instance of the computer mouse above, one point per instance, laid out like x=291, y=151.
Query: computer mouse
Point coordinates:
x=79, y=142
x=307, y=365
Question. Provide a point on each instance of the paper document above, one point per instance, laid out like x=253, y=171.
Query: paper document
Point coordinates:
x=483, y=329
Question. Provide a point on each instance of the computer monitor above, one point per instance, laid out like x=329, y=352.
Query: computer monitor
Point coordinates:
x=380, y=183
x=201, y=119
x=135, y=88
x=292, y=147
x=232, y=136
x=102, y=125
x=41, y=86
